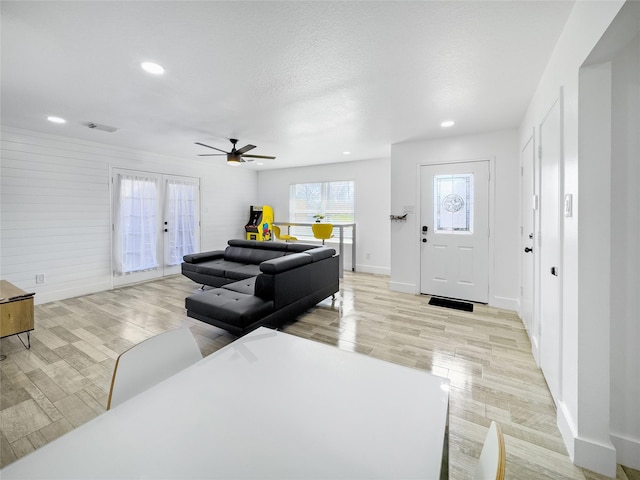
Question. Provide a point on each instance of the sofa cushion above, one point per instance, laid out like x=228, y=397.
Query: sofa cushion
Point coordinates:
x=320, y=253
x=217, y=268
x=204, y=256
x=246, y=286
x=230, y=307
x=242, y=272
x=258, y=244
x=298, y=247
x=285, y=263
x=251, y=255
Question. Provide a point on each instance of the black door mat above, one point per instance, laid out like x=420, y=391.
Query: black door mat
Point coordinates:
x=447, y=303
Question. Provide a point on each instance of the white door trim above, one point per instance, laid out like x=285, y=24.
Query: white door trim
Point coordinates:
x=556, y=390
x=417, y=234
x=528, y=206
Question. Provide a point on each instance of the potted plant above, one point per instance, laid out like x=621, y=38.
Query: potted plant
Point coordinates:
x=318, y=217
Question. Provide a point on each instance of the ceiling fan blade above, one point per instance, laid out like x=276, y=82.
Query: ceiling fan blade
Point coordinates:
x=259, y=156
x=211, y=154
x=246, y=148
x=209, y=146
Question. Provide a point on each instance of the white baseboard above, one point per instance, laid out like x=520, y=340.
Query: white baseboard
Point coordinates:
x=567, y=428
x=597, y=456
x=57, y=295
x=505, y=303
x=373, y=269
x=627, y=450
x=403, y=287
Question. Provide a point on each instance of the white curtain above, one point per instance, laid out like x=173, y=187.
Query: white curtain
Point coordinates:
x=136, y=220
x=181, y=217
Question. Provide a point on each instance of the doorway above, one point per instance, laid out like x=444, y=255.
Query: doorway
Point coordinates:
x=156, y=221
x=454, y=243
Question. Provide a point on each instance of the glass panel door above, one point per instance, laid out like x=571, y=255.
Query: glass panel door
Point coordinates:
x=156, y=221
x=181, y=220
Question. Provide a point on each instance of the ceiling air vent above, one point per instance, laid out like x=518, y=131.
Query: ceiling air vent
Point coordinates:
x=97, y=126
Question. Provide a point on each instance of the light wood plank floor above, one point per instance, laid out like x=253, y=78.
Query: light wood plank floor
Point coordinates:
x=63, y=381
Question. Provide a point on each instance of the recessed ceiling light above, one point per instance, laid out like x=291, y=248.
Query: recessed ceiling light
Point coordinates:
x=54, y=119
x=153, y=68
x=447, y=123
x=259, y=163
x=346, y=153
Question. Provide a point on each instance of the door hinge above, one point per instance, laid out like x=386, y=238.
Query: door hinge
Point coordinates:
x=540, y=151
x=522, y=171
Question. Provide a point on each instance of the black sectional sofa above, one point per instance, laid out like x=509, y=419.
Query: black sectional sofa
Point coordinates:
x=259, y=283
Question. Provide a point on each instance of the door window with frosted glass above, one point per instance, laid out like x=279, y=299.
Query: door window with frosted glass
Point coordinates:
x=453, y=203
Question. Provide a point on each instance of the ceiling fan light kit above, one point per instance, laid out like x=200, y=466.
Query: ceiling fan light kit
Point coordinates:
x=235, y=156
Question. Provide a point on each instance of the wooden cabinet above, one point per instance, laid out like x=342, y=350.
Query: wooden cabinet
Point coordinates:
x=16, y=310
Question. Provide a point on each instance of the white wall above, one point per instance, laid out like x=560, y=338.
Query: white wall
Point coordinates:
x=625, y=257
x=583, y=406
x=502, y=149
x=55, y=208
x=372, y=191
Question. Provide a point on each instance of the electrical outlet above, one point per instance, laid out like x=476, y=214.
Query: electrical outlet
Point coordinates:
x=40, y=278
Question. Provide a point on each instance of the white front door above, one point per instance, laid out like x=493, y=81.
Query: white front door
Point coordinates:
x=454, y=248
x=549, y=248
x=156, y=221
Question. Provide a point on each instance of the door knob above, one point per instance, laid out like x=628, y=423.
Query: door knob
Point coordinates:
x=528, y=249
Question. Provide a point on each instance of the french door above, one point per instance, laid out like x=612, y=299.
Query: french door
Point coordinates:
x=156, y=221
x=454, y=211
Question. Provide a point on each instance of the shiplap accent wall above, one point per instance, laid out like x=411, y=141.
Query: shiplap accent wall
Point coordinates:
x=55, y=208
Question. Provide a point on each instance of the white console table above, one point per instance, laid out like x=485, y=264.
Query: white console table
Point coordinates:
x=269, y=405
x=340, y=227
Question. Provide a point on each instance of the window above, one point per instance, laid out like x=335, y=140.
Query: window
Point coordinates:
x=135, y=225
x=182, y=213
x=453, y=203
x=334, y=200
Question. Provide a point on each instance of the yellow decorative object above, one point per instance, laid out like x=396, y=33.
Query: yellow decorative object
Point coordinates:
x=260, y=223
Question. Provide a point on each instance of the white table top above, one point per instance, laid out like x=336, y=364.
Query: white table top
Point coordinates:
x=269, y=405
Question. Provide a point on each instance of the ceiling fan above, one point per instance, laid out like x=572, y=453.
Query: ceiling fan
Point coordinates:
x=235, y=156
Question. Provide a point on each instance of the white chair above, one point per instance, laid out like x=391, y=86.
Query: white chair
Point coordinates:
x=150, y=362
x=493, y=457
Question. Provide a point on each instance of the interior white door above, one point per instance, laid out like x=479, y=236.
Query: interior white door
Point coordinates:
x=156, y=220
x=454, y=212
x=550, y=254
x=527, y=240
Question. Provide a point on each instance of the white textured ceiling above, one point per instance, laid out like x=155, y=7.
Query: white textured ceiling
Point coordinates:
x=303, y=81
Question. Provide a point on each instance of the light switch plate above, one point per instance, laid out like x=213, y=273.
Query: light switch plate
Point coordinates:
x=568, y=205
